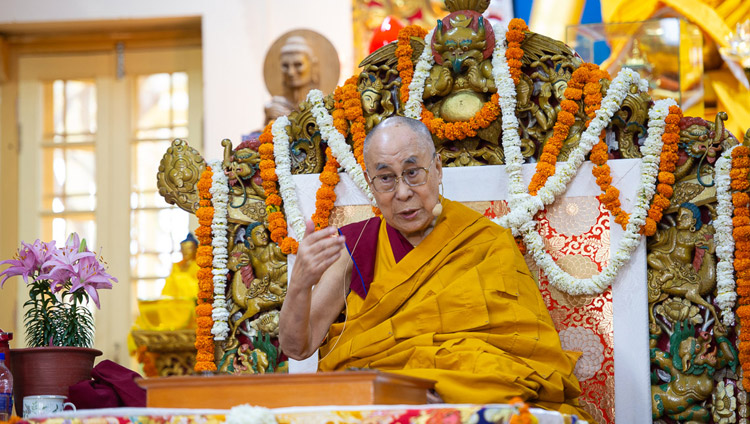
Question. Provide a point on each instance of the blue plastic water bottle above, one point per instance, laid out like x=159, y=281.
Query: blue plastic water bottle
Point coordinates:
x=6, y=390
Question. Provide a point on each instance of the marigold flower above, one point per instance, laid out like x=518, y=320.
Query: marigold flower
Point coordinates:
x=203, y=231
x=656, y=214
x=670, y=138
x=666, y=177
x=573, y=93
x=742, y=232
x=273, y=200
x=204, y=321
x=205, y=296
x=604, y=180
x=206, y=285
x=204, y=273
x=740, y=184
x=204, y=357
x=741, y=264
x=665, y=190
x=202, y=331
x=649, y=228
x=278, y=234
x=268, y=174
x=266, y=149
x=590, y=89
x=740, y=199
x=622, y=218
x=203, y=261
x=204, y=310
x=289, y=246
x=514, y=53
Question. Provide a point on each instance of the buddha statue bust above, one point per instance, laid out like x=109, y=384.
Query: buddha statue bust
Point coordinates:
x=297, y=62
x=299, y=67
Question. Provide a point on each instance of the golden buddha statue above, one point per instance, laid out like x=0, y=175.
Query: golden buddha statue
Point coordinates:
x=175, y=309
x=182, y=282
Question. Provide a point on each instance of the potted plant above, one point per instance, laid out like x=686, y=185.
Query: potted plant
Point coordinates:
x=62, y=283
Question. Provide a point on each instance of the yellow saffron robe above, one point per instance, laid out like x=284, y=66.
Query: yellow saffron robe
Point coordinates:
x=461, y=309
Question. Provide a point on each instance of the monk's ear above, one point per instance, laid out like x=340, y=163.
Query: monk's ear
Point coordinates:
x=439, y=165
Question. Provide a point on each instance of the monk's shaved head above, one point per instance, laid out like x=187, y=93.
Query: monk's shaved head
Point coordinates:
x=417, y=128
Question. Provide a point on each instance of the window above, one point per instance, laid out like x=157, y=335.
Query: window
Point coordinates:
x=156, y=228
x=69, y=160
x=92, y=144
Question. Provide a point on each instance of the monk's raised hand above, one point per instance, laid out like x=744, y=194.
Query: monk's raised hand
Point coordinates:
x=317, y=252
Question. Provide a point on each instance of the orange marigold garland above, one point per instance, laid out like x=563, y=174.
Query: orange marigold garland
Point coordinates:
x=460, y=130
x=352, y=104
x=347, y=108
x=667, y=166
x=515, y=36
x=148, y=360
x=545, y=168
x=741, y=220
x=326, y=196
x=204, y=340
x=592, y=100
x=405, y=67
x=276, y=220
x=489, y=112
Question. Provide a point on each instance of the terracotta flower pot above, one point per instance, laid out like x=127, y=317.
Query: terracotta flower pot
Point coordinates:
x=49, y=370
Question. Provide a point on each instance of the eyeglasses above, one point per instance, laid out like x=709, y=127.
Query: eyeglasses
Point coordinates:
x=413, y=177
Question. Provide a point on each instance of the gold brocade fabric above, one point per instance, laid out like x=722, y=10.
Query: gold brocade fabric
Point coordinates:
x=461, y=309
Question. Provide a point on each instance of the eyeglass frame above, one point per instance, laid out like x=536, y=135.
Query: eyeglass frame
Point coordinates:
x=401, y=177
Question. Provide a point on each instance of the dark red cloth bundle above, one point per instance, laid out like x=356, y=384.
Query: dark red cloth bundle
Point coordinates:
x=111, y=386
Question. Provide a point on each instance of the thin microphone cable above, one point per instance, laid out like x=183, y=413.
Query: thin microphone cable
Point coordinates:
x=346, y=304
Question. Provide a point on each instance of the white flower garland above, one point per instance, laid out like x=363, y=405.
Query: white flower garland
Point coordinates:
x=220, y=198
x=341, y=151
x=631, y=238
x=523, y=206
x=246, y=414
x=287, y=188
x=413, y=106
x=724, y=239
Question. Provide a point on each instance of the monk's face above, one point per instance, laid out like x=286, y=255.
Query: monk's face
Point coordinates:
x=407, y=209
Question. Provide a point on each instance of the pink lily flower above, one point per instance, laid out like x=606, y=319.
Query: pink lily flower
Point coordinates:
x=63, y=264
x=91, y=277
x=31, y=259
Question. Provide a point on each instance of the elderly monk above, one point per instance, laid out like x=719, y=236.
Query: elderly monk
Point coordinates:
x=432, y=289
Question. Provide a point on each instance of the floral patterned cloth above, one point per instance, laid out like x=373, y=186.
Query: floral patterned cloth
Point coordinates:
x=403, y=414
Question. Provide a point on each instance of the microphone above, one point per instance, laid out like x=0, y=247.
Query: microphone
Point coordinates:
x=437, y=210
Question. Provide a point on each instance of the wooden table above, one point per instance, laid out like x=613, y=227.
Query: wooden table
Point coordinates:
x=285, y=390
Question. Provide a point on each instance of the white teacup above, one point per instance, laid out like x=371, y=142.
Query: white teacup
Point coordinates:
x=44, y=405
